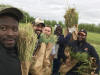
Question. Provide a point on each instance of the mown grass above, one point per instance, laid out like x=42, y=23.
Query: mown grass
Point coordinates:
x=94, y=39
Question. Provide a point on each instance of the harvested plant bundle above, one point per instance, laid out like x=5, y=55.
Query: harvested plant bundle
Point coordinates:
x=75, y=58
x=42, y=61
x=26, y=44
x=71, y=17
x=71, y=20
x=80, y=56
x=51, y=39
x=70, y=61
x=86, y=64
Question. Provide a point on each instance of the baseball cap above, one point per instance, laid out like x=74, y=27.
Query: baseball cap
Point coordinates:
x=13, y=12
x=82, y=31
x=39, y=21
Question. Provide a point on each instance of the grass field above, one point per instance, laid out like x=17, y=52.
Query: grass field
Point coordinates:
x=94, y=39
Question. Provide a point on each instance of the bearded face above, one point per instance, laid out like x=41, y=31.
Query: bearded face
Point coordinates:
x=81, y=37
x=38, y=29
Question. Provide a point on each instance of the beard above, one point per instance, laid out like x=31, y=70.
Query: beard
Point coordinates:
x=81, y=41
x=38, y=32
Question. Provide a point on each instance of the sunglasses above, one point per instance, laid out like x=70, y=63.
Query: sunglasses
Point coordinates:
x=81, y=34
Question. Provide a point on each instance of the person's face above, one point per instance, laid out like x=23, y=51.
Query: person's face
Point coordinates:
x=38, y=29
x=47, y=31
x=58, y=31
x=8, y=31
x=81, y=37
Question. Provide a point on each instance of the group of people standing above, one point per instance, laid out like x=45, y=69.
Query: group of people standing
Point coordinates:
x=79, y=45
x=44, y=55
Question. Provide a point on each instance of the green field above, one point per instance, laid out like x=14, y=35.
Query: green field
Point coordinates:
x=94, y=39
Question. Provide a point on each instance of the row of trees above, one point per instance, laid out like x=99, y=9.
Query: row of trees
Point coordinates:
x=90, y=27
x=53, y=23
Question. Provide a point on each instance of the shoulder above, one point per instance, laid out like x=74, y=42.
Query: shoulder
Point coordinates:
x=91, y=47
x=75, y=41
x=61, y=36
x=88, y=44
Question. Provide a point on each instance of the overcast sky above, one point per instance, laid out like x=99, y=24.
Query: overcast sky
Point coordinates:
x=89, y=10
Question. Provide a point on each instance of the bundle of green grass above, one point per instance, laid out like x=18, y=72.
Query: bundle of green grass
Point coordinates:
x=26, y=42
x=71, y=17
x=51, y=39
x=86, y=66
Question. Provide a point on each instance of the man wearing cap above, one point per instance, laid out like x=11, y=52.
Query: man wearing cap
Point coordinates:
x=38, y=26
x=81, y=45
x=9, y=21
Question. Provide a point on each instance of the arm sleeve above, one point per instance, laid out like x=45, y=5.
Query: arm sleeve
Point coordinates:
x=94, y=54
x=62, y=40
x=53, y=51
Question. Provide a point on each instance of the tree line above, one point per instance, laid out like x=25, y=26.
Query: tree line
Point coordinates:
x=90, y=27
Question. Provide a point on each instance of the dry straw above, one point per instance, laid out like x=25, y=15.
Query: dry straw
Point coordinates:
x=26, y=42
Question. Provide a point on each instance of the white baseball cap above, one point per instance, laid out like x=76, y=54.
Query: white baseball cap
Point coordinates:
x=38, y=20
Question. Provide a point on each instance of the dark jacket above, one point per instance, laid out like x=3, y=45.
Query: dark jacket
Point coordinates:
x=9, y=62
x=62, y=41
x=57, y=62
x=84, y=47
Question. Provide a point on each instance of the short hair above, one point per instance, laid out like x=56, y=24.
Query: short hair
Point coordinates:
x=49, y=27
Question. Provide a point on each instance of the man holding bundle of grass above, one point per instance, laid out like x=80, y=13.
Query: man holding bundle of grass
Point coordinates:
x=38, y=25
x=9, y=21
x=42, y=64
x=82, y=46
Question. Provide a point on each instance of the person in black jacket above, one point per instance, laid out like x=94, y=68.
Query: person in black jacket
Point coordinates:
x=9, y=20
x=81, y=45
x=59, y=50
